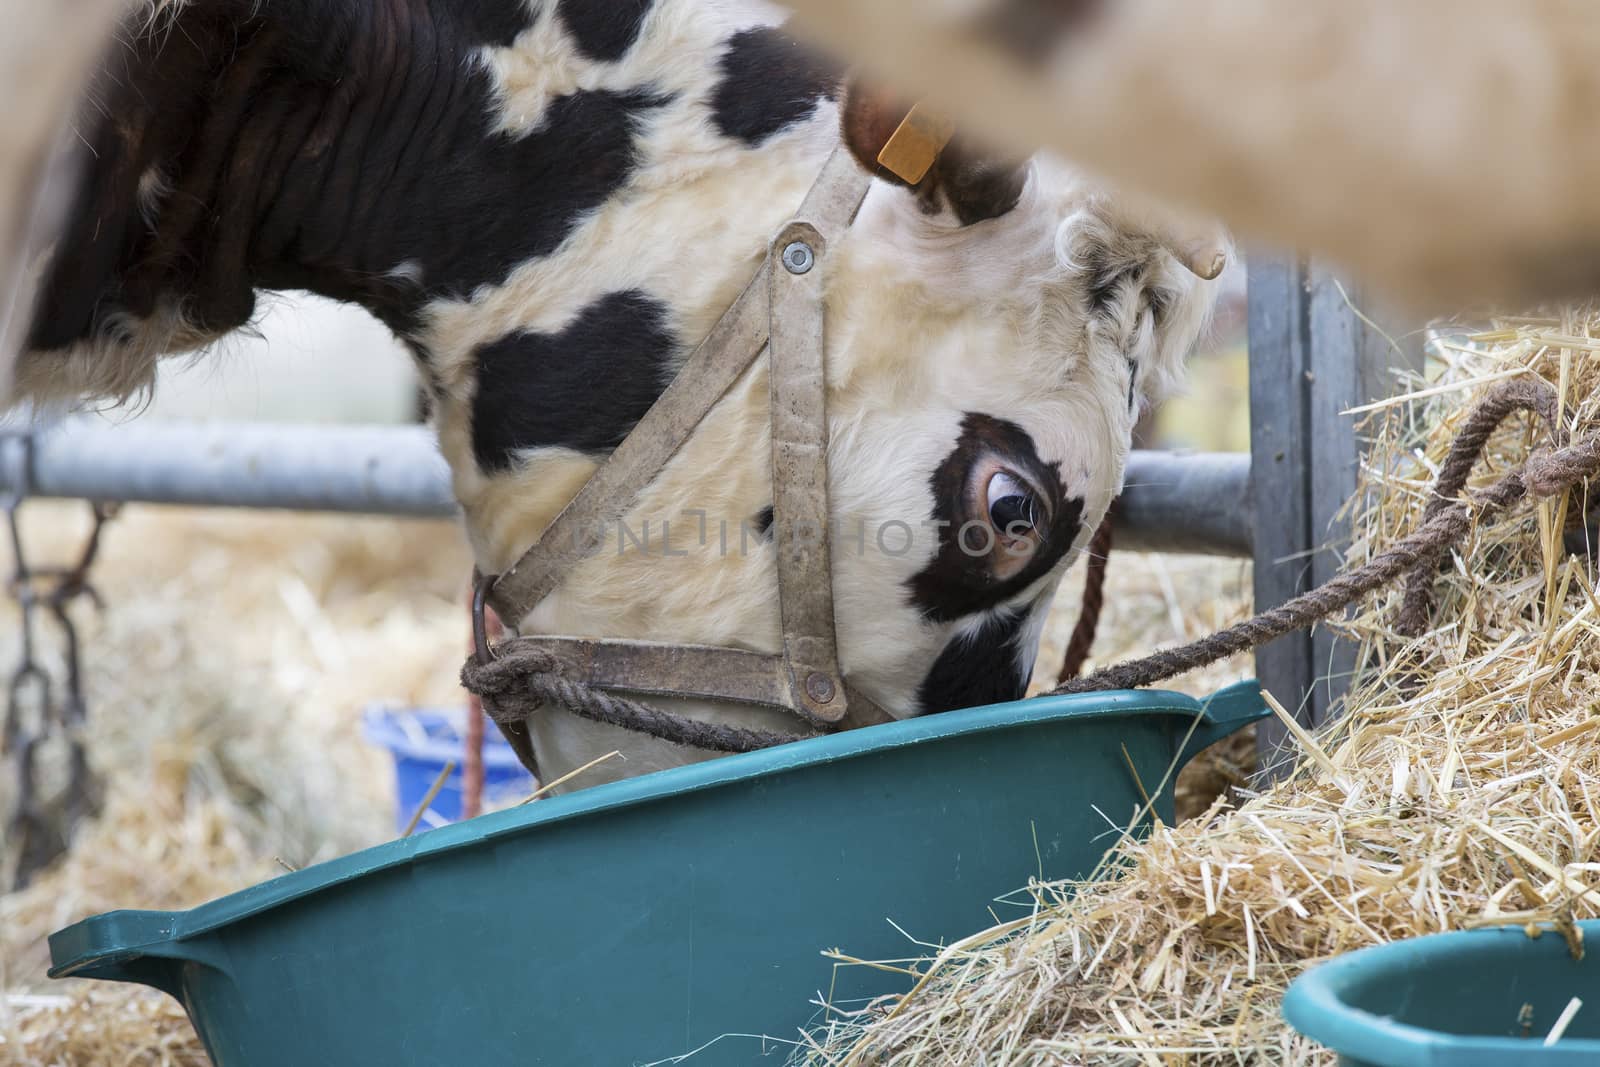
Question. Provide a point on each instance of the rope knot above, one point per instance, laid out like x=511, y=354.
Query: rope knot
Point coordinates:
x=505, y=673
x=1550, y=473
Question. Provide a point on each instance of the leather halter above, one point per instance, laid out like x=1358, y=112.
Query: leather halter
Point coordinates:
x=780, y=311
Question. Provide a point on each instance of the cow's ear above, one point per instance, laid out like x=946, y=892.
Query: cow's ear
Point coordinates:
x=868, y=119
x=1146, y=282
x=970, y=182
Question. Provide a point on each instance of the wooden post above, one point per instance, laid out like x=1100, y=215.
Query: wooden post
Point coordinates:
x=1313, y=356
x=1279, y=458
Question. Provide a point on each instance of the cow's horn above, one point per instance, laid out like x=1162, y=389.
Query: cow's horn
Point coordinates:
x=1204, y=257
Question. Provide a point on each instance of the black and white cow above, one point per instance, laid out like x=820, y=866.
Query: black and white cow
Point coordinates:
x=551, y=203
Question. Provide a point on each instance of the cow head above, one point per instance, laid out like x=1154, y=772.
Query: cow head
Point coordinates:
x=552, y=203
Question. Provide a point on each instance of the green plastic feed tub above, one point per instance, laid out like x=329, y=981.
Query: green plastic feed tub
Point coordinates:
x=644, y=919
x=1481, y=998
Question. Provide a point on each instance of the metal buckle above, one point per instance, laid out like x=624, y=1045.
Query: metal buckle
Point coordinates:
x=481, y=584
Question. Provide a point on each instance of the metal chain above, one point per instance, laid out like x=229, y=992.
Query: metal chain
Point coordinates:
x=33, y=714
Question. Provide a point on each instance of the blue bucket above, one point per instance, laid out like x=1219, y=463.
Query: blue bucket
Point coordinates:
x=423, y=741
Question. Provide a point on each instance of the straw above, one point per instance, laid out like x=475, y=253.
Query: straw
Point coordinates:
x=1564, y=1021
x=427, y=798
x=570, y=775
x=1459, y=791
x=228, y=729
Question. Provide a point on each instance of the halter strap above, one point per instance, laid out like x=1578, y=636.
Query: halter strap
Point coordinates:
x=780, y=311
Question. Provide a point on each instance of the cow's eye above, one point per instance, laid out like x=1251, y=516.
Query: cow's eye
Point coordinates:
x=1013, y=507
x=1018, y=517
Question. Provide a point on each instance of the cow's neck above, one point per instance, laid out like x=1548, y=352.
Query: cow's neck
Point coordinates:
x=546, y=206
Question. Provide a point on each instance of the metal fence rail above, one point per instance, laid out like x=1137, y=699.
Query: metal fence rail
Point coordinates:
x=1173, y=502
x=1186, y=502
x=385, y=470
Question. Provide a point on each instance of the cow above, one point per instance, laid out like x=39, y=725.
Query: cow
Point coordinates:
x=550, y=204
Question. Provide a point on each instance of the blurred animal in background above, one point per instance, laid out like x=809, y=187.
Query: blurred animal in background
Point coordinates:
x=1444, y=151
x=46, y=55
x=551, y=204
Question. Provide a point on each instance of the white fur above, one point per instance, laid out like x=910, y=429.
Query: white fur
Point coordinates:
x=154, y=188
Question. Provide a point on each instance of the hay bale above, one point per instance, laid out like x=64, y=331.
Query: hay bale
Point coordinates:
x=122, y=1025
x=1459, y=792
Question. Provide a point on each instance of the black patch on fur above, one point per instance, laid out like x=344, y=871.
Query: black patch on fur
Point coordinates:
x=956, y=583
x=583, y=388
x=142, y=115
x=603, y=29
x=1102, y=278
x=764, y=522
x=318, y=147
x=978, y=670
x=479, y=205
x=498, y=202
x=980, y=189
x=769, y=82
x=494, y=22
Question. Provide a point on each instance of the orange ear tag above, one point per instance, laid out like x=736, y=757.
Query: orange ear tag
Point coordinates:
x=916, y=143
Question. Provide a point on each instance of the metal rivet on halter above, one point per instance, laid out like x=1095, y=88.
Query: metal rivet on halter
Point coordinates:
x=819, y=687
x=798, y=257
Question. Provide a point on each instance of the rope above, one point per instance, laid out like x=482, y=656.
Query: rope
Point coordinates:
x=1544, y=474
x=1094, y=595
x=1464, y=454
x=518, y=683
